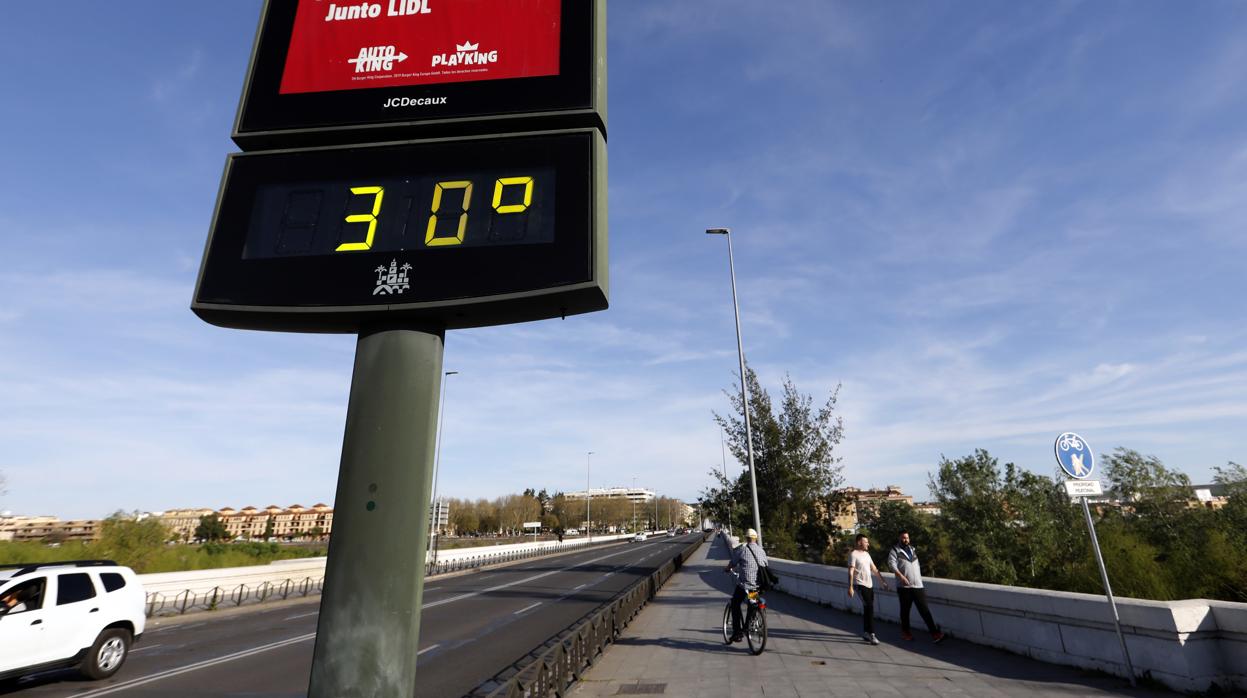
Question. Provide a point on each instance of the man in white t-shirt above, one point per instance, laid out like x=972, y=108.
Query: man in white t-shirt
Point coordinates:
x=860, y=583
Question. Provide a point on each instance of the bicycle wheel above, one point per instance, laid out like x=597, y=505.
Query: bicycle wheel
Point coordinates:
x=755, y=630
x=727, y=623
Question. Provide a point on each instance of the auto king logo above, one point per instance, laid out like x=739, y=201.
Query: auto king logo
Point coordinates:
x=373, y=59
x=467, y=53
x=391, y=281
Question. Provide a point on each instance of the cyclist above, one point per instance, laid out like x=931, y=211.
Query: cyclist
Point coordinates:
x=747, y=558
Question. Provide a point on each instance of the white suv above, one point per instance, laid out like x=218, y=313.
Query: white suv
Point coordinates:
x=82, y=614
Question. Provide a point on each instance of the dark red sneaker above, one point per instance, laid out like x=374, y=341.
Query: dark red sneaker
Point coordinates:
x=907, y=636
x=937, y=637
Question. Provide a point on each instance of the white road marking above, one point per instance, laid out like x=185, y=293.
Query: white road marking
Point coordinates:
x=426, y=649
x=302, y=615
x=197, y=665
x=144, y=647
x=469, y=595
x=582, y=586
x=527, y=608
x=308, y=636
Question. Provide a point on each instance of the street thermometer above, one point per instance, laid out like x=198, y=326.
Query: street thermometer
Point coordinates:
x=409, y=167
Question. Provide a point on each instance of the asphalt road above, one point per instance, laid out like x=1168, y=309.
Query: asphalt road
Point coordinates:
x=473, y=627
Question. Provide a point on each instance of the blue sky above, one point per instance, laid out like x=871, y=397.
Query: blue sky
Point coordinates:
x=991, y=222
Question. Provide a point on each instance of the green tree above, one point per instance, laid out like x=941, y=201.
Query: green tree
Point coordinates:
x=1157, y=502
x=316, y=532
x=1233, y=480
x=211, y=529
x=975, y=517
x=463, y=518
x=268, y=528
x=1050, y=539
x=568, y=514
x=883, y=521
x=798, y=474
x=131, y=542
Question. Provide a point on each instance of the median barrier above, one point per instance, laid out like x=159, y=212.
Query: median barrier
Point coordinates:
x=1190, y=645
x=565, y=658
x=176, y=593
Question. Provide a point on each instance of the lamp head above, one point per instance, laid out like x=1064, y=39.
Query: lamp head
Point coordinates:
x=718, y=231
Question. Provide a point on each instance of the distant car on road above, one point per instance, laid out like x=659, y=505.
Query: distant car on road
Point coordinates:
x=572, y=532
x=639, y=537
x=82, y=614
x=671, y=534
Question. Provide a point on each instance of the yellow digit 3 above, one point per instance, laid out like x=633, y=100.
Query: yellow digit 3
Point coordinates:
x=369, y=218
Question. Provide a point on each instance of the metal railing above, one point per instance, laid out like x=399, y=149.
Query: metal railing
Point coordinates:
x=567, y=656
x=161, y=603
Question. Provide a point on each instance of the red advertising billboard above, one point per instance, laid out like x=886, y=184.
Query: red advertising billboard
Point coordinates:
x=348, y=45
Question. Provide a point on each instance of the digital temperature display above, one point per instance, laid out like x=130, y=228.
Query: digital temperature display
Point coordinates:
x=457, y=232
x=445, y=210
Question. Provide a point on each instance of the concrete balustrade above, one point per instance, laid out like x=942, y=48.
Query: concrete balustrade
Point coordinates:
x=1190, y=645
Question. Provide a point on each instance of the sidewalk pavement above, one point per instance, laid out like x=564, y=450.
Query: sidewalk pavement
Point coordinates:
x=674, y=647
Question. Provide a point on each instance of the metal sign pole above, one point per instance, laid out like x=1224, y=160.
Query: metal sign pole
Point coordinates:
x=1108, y=590
x=369, y=628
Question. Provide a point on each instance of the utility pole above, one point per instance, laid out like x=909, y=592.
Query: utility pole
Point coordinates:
x=588, y=496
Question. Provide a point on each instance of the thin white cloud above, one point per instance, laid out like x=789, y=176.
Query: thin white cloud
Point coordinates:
x=181, y=78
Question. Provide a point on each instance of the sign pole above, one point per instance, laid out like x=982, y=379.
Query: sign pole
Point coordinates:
x=1076, y=458
x=369, y=628
x=1108, y=590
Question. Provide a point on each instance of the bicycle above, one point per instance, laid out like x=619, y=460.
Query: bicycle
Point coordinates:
x=755, y=621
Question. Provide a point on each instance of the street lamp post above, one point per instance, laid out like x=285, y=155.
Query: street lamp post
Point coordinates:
x=730, y=500
x=588, y=496
x=437, y=460
x=744, y=397
x=632, y=496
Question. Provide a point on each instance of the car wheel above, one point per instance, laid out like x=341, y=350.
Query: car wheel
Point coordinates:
x=107, y=654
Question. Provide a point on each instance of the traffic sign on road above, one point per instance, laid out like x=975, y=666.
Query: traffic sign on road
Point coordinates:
x=1074, y=455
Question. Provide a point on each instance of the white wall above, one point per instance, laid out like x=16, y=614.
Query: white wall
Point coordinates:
x=200, y=582
x=1186, y=645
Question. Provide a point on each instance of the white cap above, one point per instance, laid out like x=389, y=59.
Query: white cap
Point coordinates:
x=751, y=533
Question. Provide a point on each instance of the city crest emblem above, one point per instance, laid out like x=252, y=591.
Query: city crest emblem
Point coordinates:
x=392, y=280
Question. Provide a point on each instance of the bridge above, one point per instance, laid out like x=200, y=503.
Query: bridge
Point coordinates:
x=595, y=622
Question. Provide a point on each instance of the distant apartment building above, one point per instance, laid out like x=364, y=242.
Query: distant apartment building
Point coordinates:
x=849, y=516
x=294, y=522
x=635, y=494
x=1210, y=496
x=47, y=529
x=439, y=516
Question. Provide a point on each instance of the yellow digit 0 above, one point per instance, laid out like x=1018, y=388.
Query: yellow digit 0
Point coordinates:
x=513, y=208
x=369, y=218
x=429, y=239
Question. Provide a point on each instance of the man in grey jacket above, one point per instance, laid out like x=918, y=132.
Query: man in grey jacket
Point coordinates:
x=903, y=560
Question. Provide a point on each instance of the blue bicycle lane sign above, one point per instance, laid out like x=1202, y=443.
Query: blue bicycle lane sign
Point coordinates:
x=1074, y=455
